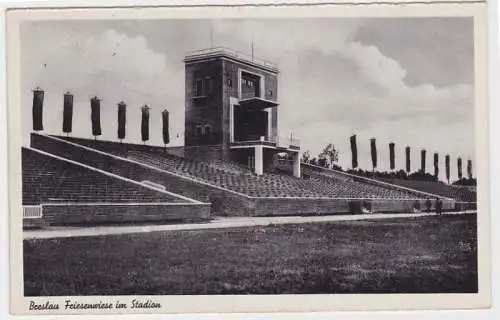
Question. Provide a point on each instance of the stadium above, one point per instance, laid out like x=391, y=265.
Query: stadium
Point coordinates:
x=233, y=166
x=232, y=162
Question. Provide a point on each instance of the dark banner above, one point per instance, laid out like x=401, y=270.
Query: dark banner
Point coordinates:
x=469, y=168
x=165, y=131
x=95, y=116
x=122, y=120
x=68, y=113
x=354, y=152
x=423, y=158
x=459, y=168
x=447, y=167
x=408, y=159
x=38, y=109
x=145, y=124
x=373, y=148
x=392, y=156
x=436, y=165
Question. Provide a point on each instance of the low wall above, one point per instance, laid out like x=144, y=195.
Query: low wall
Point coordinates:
x=396, y=206
x=64, y=214
x=299, y=206
x=36, y=223
x=311, y=206
x=463, y=206
x=110, y=146
x=383, y=205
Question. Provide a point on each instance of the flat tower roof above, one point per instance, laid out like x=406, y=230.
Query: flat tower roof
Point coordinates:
x=222, y=52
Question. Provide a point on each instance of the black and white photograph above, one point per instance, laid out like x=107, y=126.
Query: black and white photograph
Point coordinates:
x=224, y=155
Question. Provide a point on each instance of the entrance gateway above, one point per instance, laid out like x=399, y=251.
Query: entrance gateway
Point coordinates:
x=232, y=110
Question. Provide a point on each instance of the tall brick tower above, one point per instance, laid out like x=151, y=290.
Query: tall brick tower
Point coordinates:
x=232, y=109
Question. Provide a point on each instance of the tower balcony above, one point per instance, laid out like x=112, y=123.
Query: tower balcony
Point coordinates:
x=270, y=141
x=257, y=103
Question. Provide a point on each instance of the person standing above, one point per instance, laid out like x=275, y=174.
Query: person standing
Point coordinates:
x=428, y=204
x=439, y=206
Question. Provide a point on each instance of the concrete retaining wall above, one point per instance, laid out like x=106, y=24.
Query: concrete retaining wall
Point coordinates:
x=101, y=213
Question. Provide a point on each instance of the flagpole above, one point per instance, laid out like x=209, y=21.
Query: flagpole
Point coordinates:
x=211, y=35
x=252, y=47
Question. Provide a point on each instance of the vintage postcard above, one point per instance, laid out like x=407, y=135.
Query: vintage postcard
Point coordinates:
x=275, y=158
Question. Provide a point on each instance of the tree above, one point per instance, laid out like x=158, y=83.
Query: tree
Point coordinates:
x=465, y=182
x=329, y=156
x=322, y=162
x=401, y=174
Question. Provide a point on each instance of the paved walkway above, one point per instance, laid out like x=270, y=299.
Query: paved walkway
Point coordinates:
x=217, y=223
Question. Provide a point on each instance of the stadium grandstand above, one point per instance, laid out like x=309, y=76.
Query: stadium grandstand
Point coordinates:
x=228, y=166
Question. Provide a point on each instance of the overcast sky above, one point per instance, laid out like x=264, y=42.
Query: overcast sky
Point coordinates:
x=409, y=81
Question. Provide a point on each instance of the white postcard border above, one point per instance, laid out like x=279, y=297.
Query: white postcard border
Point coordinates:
x=261, y=303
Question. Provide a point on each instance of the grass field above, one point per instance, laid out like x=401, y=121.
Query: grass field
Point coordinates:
x=418, y=255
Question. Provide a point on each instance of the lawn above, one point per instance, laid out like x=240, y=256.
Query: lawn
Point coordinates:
x=403, y=255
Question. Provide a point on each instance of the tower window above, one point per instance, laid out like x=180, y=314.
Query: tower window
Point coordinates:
x=250, y=85
x=229, y=83
x=208, y=130
x=208, y=85
x=199, y=130
x=198, y=88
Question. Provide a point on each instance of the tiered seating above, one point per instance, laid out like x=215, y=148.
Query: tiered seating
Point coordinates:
x=47, y=179
x=226, y=166
x=238, y=178
x=231, y=177
x=234, y=177
x=348, y=187
x=437, y=188
x=353, y=189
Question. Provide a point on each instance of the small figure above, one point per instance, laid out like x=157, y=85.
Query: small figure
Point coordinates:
x=428, y=204
x=439, y=206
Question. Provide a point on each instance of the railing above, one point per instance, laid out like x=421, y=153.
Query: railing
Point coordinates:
x=32, y=212
x=281, y=142
x=229, y=52
x=468, y=188
x=250, y=95
x=287, y=142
